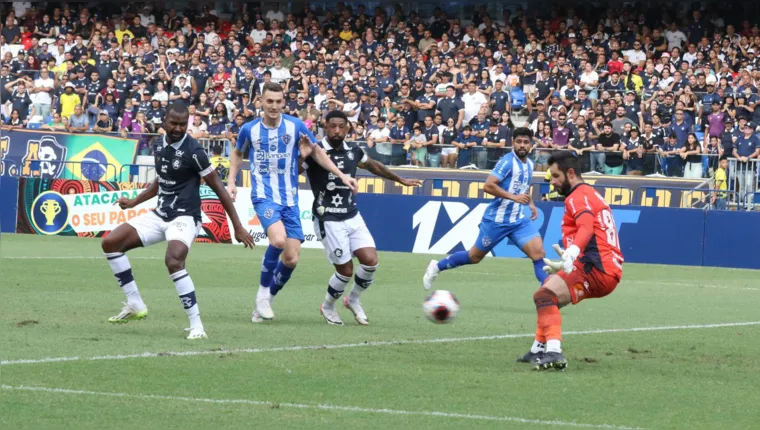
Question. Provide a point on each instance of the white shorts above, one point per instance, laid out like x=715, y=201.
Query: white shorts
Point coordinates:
x=447, y=151
x=152, y=229
x=342, y=238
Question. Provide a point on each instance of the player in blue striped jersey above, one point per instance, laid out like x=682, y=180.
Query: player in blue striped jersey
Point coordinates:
x=274, y=142
x=505, y=216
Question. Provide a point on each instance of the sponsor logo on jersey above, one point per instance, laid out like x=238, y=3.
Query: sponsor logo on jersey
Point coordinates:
x=176, y=164
x=263, y=155
x=338, y=252
x=179, y=153
x=269, y=213
x=350, y=155
x=330, y=186
x=286, y=139
x=337, y=200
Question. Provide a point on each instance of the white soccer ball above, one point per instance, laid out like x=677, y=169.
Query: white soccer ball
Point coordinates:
x=441, y=307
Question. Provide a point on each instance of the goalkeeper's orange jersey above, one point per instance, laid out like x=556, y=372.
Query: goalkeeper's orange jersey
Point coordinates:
x=603, y=249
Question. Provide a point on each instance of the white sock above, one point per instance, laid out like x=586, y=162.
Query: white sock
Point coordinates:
x=263, y=293
x=553, y=345
x=537, y=347
x=123, y=272
x=363, y=279
x=186, y=292
x=335, y=288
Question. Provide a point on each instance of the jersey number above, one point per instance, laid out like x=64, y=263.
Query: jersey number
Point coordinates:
x=609, y=228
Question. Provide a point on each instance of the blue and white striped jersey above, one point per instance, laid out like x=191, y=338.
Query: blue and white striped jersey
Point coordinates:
x=514, y=177
x=273, y=153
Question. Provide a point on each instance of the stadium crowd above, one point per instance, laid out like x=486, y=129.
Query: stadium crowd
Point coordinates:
x=635, y=90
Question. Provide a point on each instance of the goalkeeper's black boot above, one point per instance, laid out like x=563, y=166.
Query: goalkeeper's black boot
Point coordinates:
x=531, y=357
x=551, y=360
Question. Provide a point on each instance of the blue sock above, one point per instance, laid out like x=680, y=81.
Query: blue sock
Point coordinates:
x=281, y=276
x=268, y=264
x=538, y=267
x=454, y=260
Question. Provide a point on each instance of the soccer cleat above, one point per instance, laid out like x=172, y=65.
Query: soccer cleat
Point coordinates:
x=255, y=317
x=551, y=360
x=331, y=315
x=355, y=306
x=430, y=274
x=127, y=314
x=264, y=308
x=196, y=333
x=531, y=357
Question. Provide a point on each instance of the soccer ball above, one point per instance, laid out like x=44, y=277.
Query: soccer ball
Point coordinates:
x=441, y=307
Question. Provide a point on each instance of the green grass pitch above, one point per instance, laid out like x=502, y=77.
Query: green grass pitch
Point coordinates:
x=697, y=369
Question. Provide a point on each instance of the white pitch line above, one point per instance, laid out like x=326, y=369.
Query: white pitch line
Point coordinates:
x=324, y=407
x=361, y=344
x=71, y=257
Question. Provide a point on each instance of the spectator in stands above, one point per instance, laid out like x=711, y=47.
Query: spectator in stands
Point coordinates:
x=380, y=139
x=216, y=129
x=198, y=128
x=104, y=124
x=720, y=198
x=691, y=154
x=670, y=159
x=57, y=123
x=582, y=146
x=78, y=122
x=42, y=93
x=465, y=142
x=607, y=158
x=15, y=121
x=746, y=147
x=19, y=99
x=69, y=100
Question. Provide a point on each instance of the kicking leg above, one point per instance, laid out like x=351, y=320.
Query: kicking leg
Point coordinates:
x=534, y=249
x=336, y=286
x=365, y=275
x=122, y=239
x=277, y=242
x=553, y=295
x=176, y=254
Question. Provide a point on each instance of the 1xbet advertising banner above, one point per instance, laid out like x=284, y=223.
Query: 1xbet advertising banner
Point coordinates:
x=53, y=155
x=441, y=226
x=88, y=209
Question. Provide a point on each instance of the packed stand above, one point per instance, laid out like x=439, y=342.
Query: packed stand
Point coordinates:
x=630, y=91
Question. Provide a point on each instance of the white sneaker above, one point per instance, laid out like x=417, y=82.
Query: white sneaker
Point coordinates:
x=129, y=313
x=255, y=317
x=355, y=306
x=264, y=306
x=196, y=333
x=331, y=315
x=430, y=274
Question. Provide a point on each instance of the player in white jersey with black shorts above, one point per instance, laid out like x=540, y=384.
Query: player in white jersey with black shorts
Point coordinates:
x=181, y=162
x=338, y=222
x=274, y=143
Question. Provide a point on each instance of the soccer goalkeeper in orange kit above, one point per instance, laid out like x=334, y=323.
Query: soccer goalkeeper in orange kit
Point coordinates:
x=590, y=266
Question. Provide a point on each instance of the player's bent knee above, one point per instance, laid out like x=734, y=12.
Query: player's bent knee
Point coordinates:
x=174, y=264
x=290, y=260
x=476, y=255
x=346, y=270
x=277, y=242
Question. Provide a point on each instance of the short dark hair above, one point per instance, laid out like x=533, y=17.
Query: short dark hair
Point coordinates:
x=179, y=108
x=522, y=131
x=723, y=157
x=565, y=160
x=335, y=114
x=217, y=150
x=273, y=87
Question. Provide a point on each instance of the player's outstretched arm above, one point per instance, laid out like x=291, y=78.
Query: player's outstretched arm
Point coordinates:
x=241, y=234
x=379, y=169
x=235, y=159
x=144, y=196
